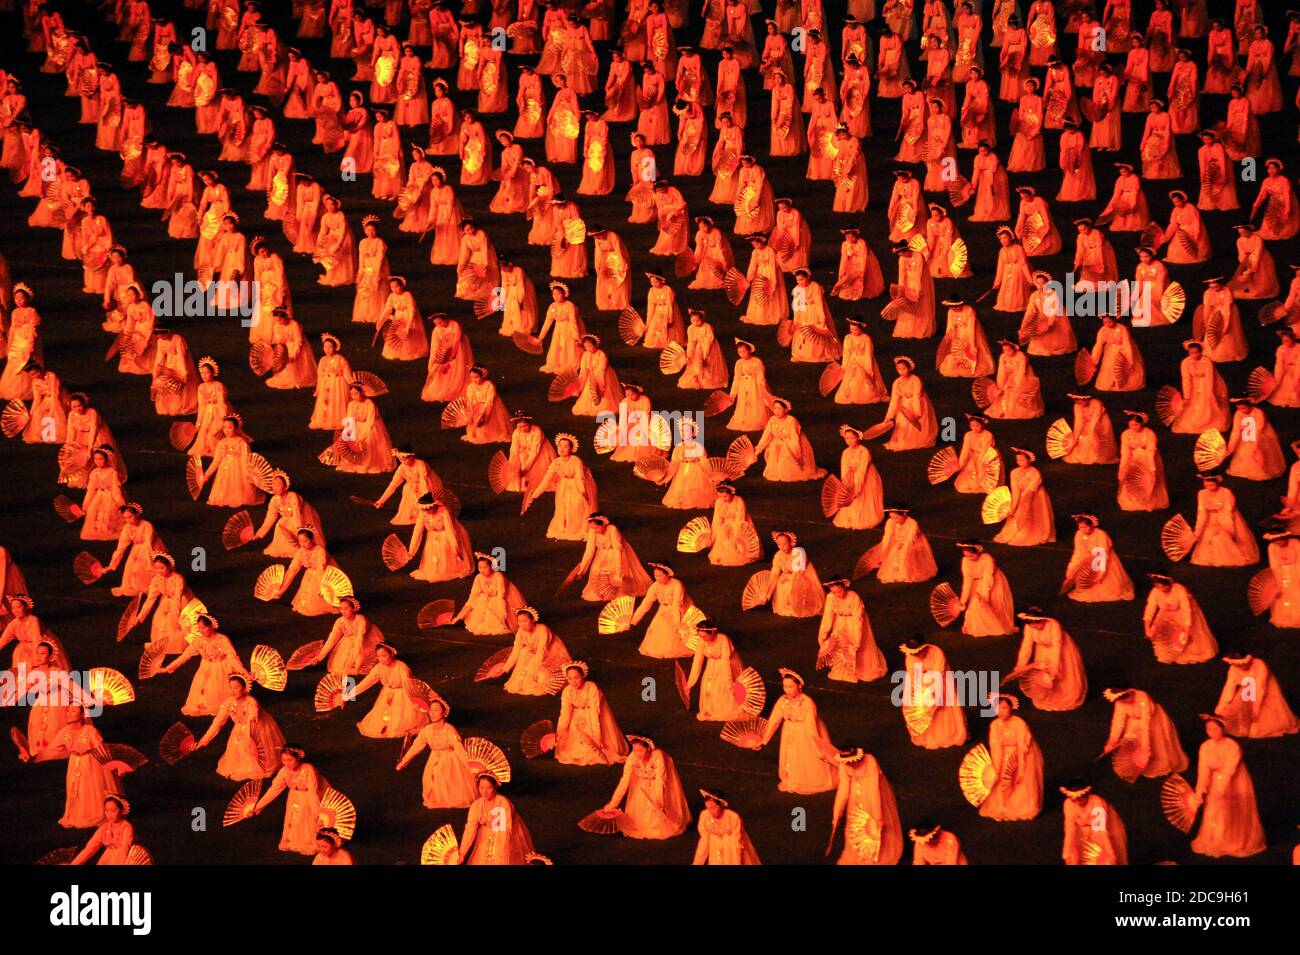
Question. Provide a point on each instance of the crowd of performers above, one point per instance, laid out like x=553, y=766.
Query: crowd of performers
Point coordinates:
x=571, y=76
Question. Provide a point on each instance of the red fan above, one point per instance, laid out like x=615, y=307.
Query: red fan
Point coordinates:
x=69, y=510
x=1085, y=366
x=493, y=666
x=868, y=563
x=876, y=430
x=499, y=472
x=716, y=403
x=835, y=495
x=747, y=734
x=177, y=743
x=529, y=344
x=538, y=739
x=436, y=613
x=604, y=822
x=239, y=530
x=329, y=693
x=831, y=377
x=194, y=477
x=563, y=387
x=241, y=806
x=394, y=553
x=123, y=759
x=736, y=285
x=14, y=418
x=945, y=605
x=182, y=434
x=87, y=568
x=151, y=660
x=304, y=656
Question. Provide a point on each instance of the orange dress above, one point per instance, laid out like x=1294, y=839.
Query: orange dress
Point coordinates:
x=1142, y=739
x=1252, y=703
x=1223, y=538
x=723, y=841
x=803, y=767
x=986, y=595
x=1054, y=677
x=1141, y=472
x=1230, y=823
x=1094, y=833
x=863, y=788
x=656, y=805
x=905, y=554
x=1176, y=617
x=1017, y=792
x=1096, y=569
x=845, y=635
x=495, y=834
x=586, y=733
x=1030, y=521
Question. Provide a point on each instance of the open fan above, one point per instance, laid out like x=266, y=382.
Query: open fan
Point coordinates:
x=1210, y=450
x=990, y=469
x=651, y=465
x=1173, y=302
x=126, y=623
x=268, y=582
x=604, y=822
x=716, y=403
x=337, y=812
x=835, y=495
x=261, y=473
x=72, y=465
x=14, y=418
x=784, y=330
x=87, y=568
x=869, y=562
x=177, y=743
x=305, y=655
x=68, y=509
x=631, y=326
x=996, y=506
x=1179, y=802
x=455, y=414
x=528, y=344
x=945, y=605
x=239, y=530
x=334, y=586
x=493, y=667
x=747, y=733
x=1260, y=385
x=120, y=759
x=563, y=387
x=1169, y=404
x=266, y=358
x=862, y=834
x=484, y=756
x=1060, y=439
x=735, y=285
x=680, y=684
x=1262, y=591
x=500, y=473
x=943, y=465
x=830, y=378
x=616, y=616
x=394, y=553
x=441, y=848
x=371, y=384
x=194, y=477
x=340, y=452
x=1176, y=537
x=329, y=693
x=62, y=856
x=755, y=593
x=538, y=739
x=436, y=613
x=672, y=359
x=1085, y=366
x=876, y=430
x=268, y=668
x=151, y=660
x=695, y=536
x=984, y=392
x=819, y=340
x=976, y=775
x=241, y=806
x=110, y=686
x=741, y=454
x=749, y=691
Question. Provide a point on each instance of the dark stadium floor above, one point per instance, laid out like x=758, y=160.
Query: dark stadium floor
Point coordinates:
x=552, y=798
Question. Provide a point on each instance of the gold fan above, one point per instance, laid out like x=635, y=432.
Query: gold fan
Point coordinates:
x=268, y=582
x=958, y=257
x=1060, y=440
x=441, y=848
x=486, y=757
x=260, y=473
x=563, y=387
x=188, y=618
x=1179, y=802
x=631, y=326
x=538, y=739
x=87, y=568
x=688, y=627
x=394, y=553
x=945, y=605
x=755, y=593
x=110, y=686
x=672, y=359
x=493, y=666
x=1169, y=404
x=751, y=547
x=456, y=413
x=736, y=286
x=650, y=465
x=528, y=344
x=943, y=465
x=241, y=806
x=14, y=418
x=138, y=855
x=1210, y=450
x=919, y=705
x=177, y=743
x=719, y=470
x=749, y=691
x=1176, y=537
x=329, y=692
x=1173, y=301
x=239, y=530
x=436, y=613
x=194, y=477
x=835, y=495
x=68, y=509
x=151, y=660
x=72, y=465
x=268, y=668
x=745, y=733
x=868, y=563
x=984, y=392
x=716, y=403
x=976, y=775
x=1262, y=591
x=1260, y=385
x=830, y=378
x=695, y=536
x=340, y=452
x=604, y=822
x=337, y=812
x=305, y=655
x=1085, y=366
x=741, y=454
x=996, y=506
x=862, y=834
x=990, y=465
x=616, y=616
x=334, y=586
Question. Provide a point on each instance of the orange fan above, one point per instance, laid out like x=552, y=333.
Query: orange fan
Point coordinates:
x=340, y=452
x=238, y=531
x=87, y=568
x=1262, y=591
x=1169, y=639
x=1059, y=439
x=436, y=613
x=876, y=430
x=1085, y=366
x=819, y=340
x=305, y=655
x=441, y=848
x=695, y=536
x=60, y=856
x=1169, y=404
x=456, y=414
x=126, y=623
x=869, y=562
x=830, y=378
x=716, y=403
x=123, y=759
x=529, y=344
x=735, y=285
x=486, y=757
x=500, y=473
x=996, y=506
x=177, y=743
x=563, y=387
x=151, y=660
x=943, y=465
x=945, y=605
x=261, y=473
x=755, y=593
x=241, y=805
x=266, y=358
x=329, y=693
x=835, y=495
x=679, y=683
x=394, y=553
x=672, y=359
x=1176, y=537
x=650, y=465
x=984, y=392
x=194, y=477
x=69, y=510
x=785, y=332
x=138, y=855
x=741, y=454
x=749, y=692
x=268, y=582
x=109, y=686
x=538, y=739
x=631, y=326
x=1179, y=802
x=72, y=465
x=14, y=418
x=616, y=616
x=493, y=667
x=604, y=822
x=167, y=384
x=371, y=384
x=747, y=734
x=1210, y=450
x=1260, y=385
x=337, y=812
x=267, y=668
x=976, y=775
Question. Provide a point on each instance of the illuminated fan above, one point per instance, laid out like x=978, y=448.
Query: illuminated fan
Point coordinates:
x=1059, y=440
x=441, y=848
x=604, y=822
x=945, y=605
x=736, y=286
x=151, y=660
x=976, y=775
x=990, y=465
x=1262, y=591
x=616, y=616
x=688, y=627
x=538, y=739
x=869, y=562
x=267, y=668
x=329, y=693
x=1176, y=537
x=716, y=403
x=238, y=531
x=1119, y=371
x=695, y=536
x=394, y=553
x=334, y=586
x=493, y=667
x=631, y=326
x=529, y=344
x=72, y=465
x=651, y=466
x=188, y=618
x=672, y=359
x=268, y=582
x=876, y=430
x=943, y=465
x=830, y=379
x=747, y=733
x=305, y=655
x=862, y=834
x=167, y=384
x=436, y=613
x=456, y=413
x=749, y=692
x=835, y=495
x=241, y=806
x=486, y=757
x=751, y=547
x=563, y=387
x=447, y=499
x=1085, y=366
x=69, y=510
x=110, y=686
x=126, y=623
x=267, y=359
x=87, y=568
x=260, y=473
x=984, y=392
x=340, y=452
x=194, y=476
x=1173, y=301
x=138, y=855
x=996, y=506
x=958, y=257
x=177, y=743
x=337, y=812
x=1260, y=385
x=371, y=384
x=918, y=706
x=741, y=454
x=1210, y=450
x=14, y=418
x=1179, y=802
x=755, y=593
